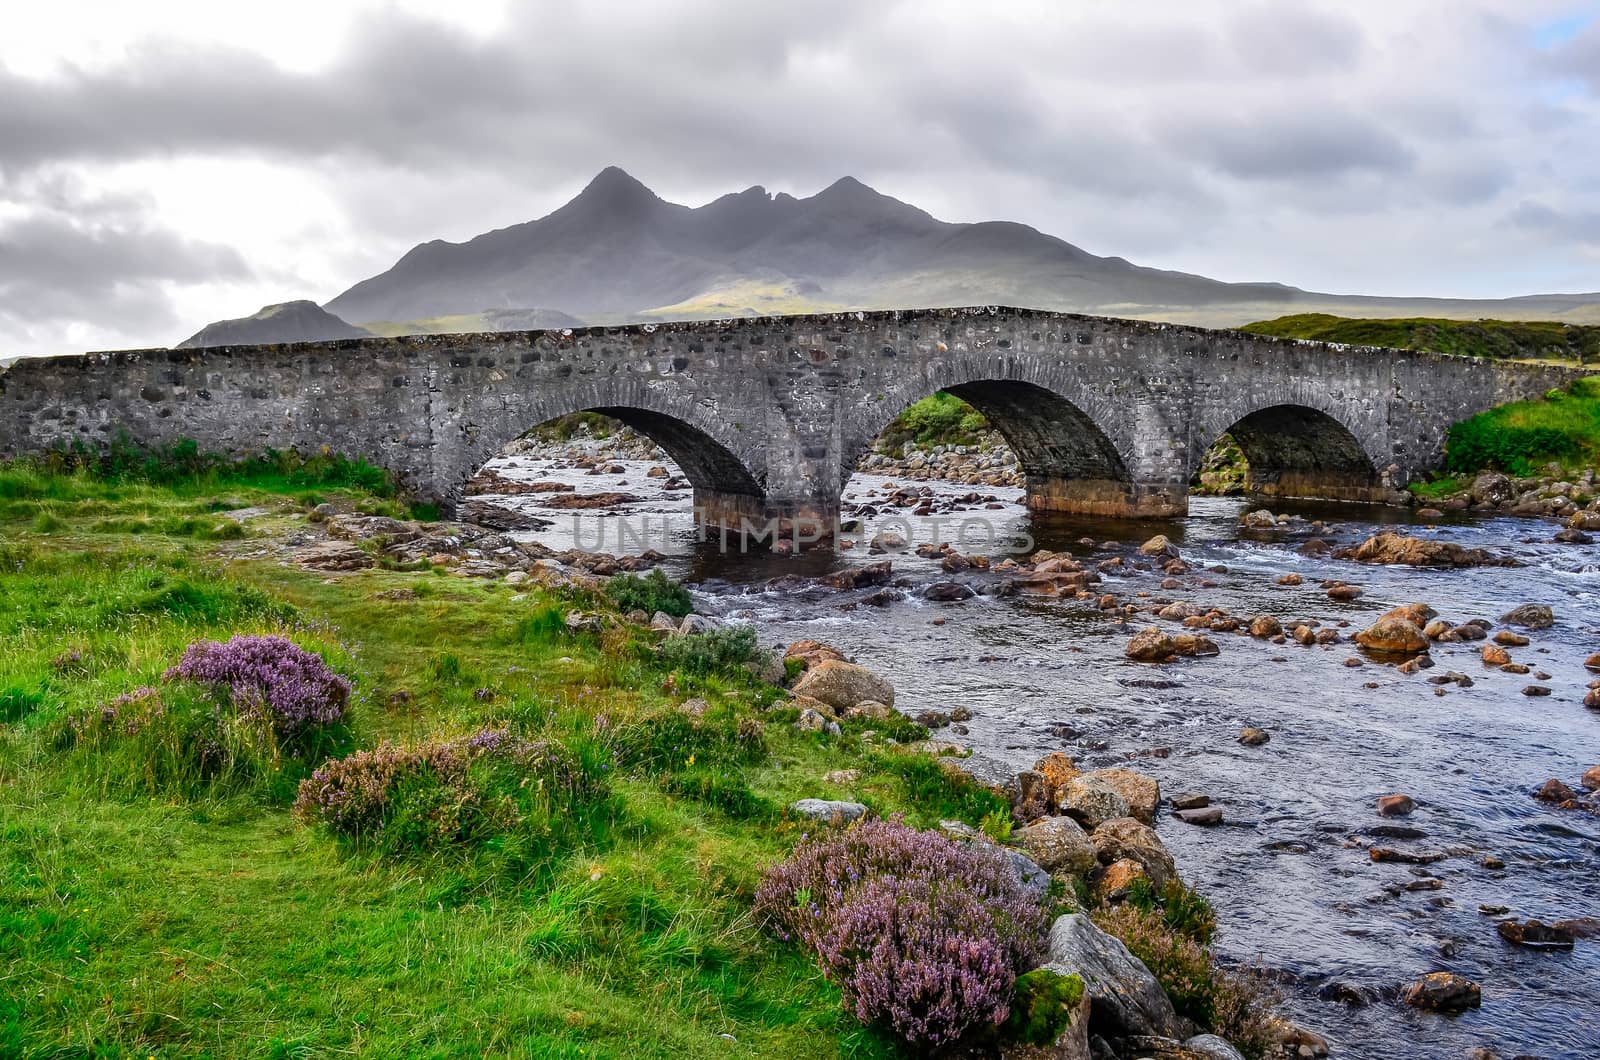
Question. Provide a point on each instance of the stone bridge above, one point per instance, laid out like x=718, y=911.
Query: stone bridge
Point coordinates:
x=768, y=417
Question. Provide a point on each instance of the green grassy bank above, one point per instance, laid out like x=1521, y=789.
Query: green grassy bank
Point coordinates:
x=153, y=905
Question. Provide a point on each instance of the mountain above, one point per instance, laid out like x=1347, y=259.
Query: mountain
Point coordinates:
x=618, y=252
x=299, y=321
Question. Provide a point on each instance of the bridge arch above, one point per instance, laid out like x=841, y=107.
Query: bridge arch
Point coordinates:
x=1298, y=450
x=725, y=470
x=1075, y=454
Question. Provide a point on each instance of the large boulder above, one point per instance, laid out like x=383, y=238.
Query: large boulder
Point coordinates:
x=1393, y=636
x=1389, y=547
x=1492, y=487
x=1091, y=801
x=842, y=685
x=1443, y=992
x=833, y=812
x=1122, y=991
x=1151, y=645
x=1141, y=792
x=1530, y=616
x=1125, y=839
x=1057, y=844
x=1159, y=547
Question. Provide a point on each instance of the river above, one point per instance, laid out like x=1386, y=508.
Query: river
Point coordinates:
x=1295, y=890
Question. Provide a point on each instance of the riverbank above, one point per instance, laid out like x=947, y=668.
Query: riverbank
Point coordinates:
x=174, y=857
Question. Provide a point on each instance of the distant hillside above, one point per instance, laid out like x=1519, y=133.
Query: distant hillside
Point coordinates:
x=618, y=253
x=1523, y=340
x=489, y=320
x=301, y=321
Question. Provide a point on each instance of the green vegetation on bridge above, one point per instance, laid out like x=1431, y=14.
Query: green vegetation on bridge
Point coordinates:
x=1537, y=340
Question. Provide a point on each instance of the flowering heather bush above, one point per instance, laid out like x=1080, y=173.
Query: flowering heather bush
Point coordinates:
x=467, y=790
x=270, y=675
x=922, y=934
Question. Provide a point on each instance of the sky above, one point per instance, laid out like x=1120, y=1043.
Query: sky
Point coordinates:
x=165, y=164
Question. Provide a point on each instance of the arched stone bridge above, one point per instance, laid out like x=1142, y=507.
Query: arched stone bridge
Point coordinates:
x=768, y=417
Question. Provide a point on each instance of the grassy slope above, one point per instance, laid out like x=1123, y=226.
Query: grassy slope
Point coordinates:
x=1525, y=340
x=218, y=926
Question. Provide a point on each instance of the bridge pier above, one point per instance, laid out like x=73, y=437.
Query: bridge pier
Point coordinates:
x=1108, y=498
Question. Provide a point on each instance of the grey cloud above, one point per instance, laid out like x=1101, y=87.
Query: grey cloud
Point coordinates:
x=1574, y=226
x=1314, y=143
x=98, y=258
x=1296, y=41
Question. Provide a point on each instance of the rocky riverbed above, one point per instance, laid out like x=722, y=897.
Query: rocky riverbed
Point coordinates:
x=1373, y=731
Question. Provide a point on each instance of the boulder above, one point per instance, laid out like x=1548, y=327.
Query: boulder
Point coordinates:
x=1151, y=645
x=1142, y=793
x=1508, y=639
x=1122, y=991
x=1530, y=616
x=1265, y=626
x=1395, y=805
x=842, y=685
x=1393, y=636
x=1591, y=779
x=1057, y=844
x=1554, y=791
x=1443, y=992
x=1392, y=548
x=871, y=710
x=1251, y=736
x=1492, y=488
x=1091, y=801
x=1125, y=838
x=1195, y=644
x=809, y=652
x=1535, y=934
x=1204, y=816
x=1494, y=655
x=1159, y=547
x=835, y=813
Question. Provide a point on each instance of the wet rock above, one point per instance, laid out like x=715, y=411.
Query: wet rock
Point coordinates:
x=1151, y=645
x=842, y=685
x=1057, y=844
x=1288, y=579
x=948, y=592
x=1395, y=805
x=859, y=577
x=1507, y=639
x=1091, y=801
x=1191, y=801
x=1142, y=793
x=1530, y=616
x=1159, y=547
x=1392, y=548
x=1536, y=690
x=1592, y=663
x=1494, y=655
x=1264, y=626
x=1057, y=769
x=932, y=719
x=1404, y=857
x=1251, y=736
x=809, y=652
x=1554, y=790
x=1195, y=644
x=1122, y=838
x=1260, y=519
x=832, y=812
x=1205, y=816
x=1393, y=636
x=1591, y=779
x=1122, y=992
x=1345, y=593
x=1443, y=992
x=1535, y=934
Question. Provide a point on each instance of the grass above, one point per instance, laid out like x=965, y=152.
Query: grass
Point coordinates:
x=167, y=915
x=1507, y=339
x=1563, y=426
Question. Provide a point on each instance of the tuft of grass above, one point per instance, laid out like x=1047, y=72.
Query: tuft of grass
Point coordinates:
x=1561, y=427
x=651, y=593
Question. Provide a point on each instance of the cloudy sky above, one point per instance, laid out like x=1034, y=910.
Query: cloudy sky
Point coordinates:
x=163, y=164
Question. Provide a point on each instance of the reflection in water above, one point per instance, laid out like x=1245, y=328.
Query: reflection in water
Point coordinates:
x=1289, y=873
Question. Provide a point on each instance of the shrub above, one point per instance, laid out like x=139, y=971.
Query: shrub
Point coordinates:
x=182, y=741
x=1179, y=963
x=293, y=687
x=471, y=791
x=710, y=652
x=651, y=593
x=922, y=934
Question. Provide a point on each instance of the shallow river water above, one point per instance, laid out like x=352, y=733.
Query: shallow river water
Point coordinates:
x=1289, y=874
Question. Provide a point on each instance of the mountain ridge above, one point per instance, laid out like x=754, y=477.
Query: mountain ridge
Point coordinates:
x=618, y=253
